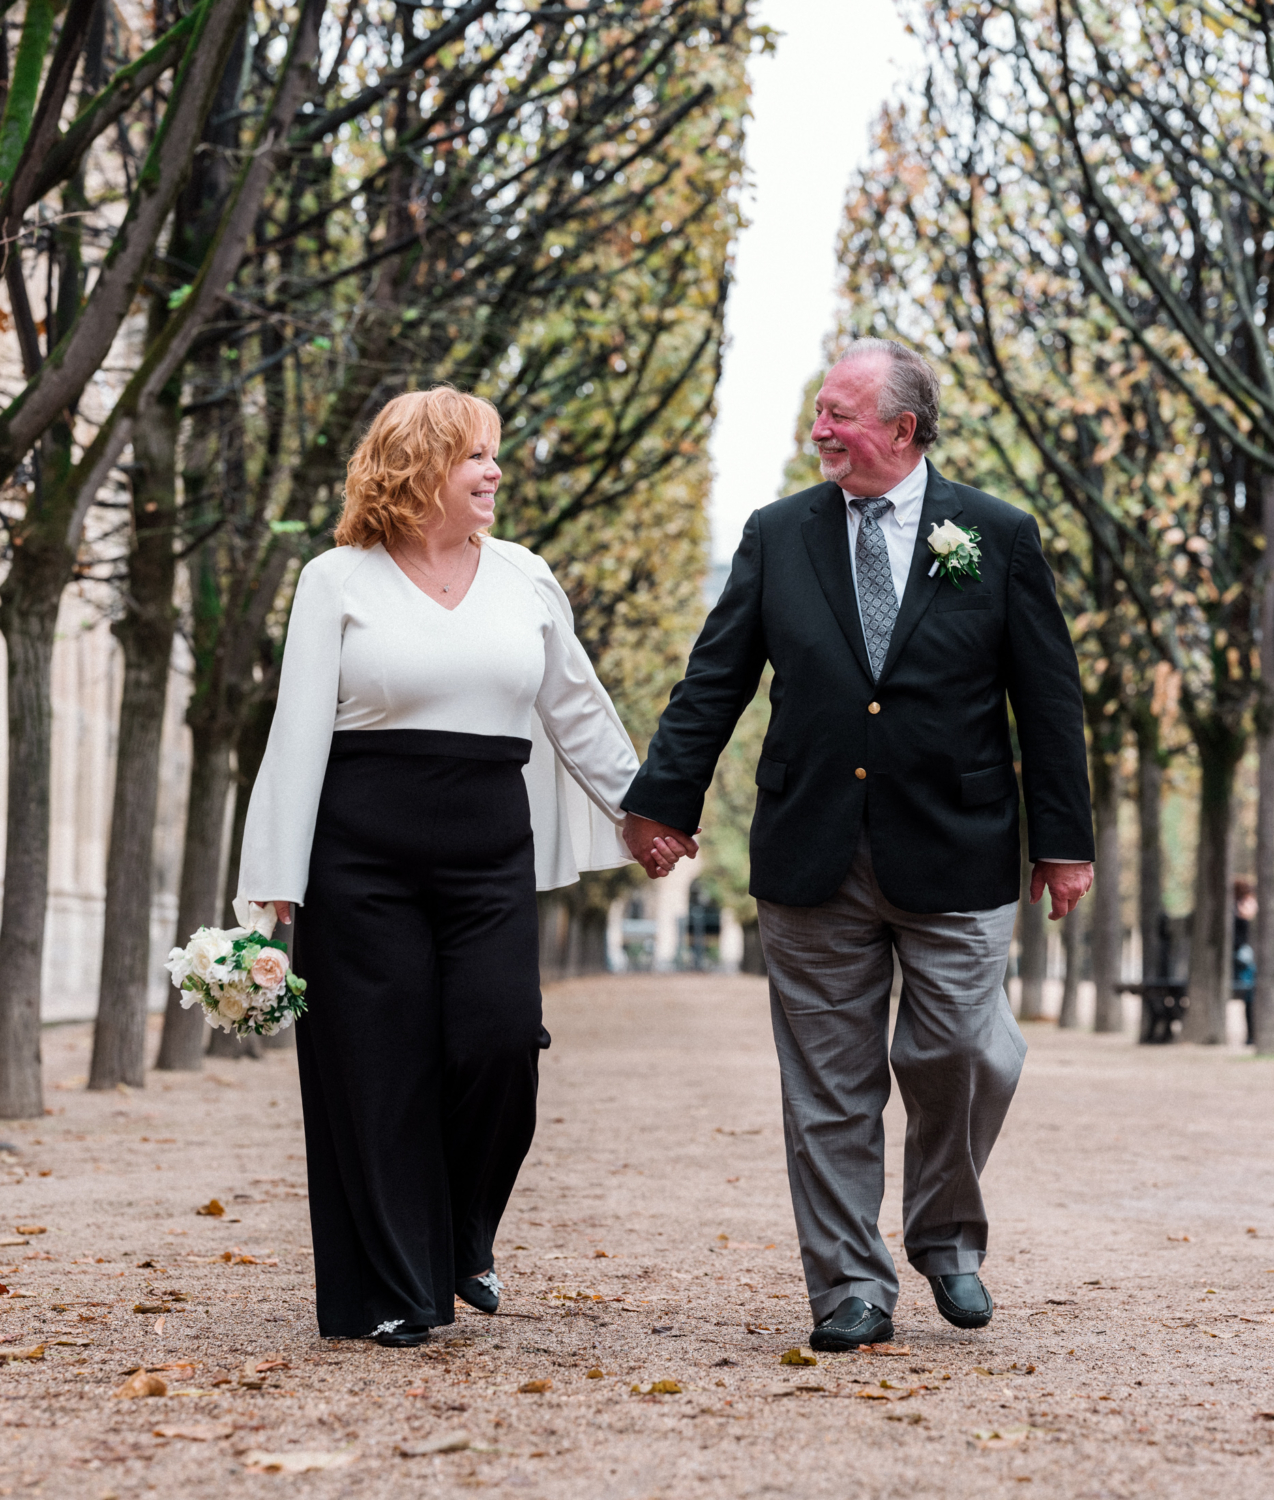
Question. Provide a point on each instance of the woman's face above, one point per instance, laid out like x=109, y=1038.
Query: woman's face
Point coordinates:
x=468, y=495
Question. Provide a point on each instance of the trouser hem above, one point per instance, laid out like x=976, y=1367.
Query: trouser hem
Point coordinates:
x=824, y=1304
x=947, y=1262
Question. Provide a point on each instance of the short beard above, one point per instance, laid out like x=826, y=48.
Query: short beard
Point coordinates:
x=835, y=466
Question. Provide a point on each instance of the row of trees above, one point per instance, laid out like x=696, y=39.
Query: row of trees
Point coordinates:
x=1071, y=213
x=273, y=217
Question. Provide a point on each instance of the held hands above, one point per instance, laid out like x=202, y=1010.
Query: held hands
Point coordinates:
x=655, y=846
x=1067, y=885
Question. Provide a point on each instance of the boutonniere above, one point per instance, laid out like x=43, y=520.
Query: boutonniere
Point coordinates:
x=956, y=553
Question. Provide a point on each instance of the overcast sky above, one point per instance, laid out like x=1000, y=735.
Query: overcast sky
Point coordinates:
x=812, y=102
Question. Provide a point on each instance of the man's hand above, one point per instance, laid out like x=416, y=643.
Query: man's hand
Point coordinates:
x=655, y=846
x=1067, y=885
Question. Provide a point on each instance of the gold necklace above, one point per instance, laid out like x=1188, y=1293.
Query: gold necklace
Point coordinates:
x=429, y=578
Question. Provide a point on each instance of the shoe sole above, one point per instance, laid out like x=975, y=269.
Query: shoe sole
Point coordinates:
x=407, y=1341
x=967, y=1320
x=827, y=1342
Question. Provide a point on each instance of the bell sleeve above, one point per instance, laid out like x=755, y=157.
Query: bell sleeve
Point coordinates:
x=588, y=750
x=279, y=830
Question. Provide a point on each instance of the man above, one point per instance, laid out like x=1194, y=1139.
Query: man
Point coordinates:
x=886, y=820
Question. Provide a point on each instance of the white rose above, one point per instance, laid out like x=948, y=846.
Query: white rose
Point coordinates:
x=208, y=948
x=946, y=538
x=232, y=1003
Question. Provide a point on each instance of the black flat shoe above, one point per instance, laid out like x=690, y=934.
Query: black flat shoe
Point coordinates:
x=402, y=1335
x=963, y=1300
x=853, y=1323
x=482, y=1292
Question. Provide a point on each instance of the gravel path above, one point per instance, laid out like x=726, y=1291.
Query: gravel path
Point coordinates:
x=650, y=1239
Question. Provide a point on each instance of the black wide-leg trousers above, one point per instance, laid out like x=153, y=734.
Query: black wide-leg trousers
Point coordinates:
x=419, y=1050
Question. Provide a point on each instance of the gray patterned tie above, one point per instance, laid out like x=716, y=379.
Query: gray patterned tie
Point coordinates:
x=877, y=601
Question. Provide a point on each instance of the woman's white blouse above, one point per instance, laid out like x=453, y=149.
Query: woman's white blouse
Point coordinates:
x=366, y=649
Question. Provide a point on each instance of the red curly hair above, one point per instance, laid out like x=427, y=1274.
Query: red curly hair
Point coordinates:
x=394, y=480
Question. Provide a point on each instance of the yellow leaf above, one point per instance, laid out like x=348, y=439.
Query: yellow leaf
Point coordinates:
x=29, y=1229
x=213, y=1209
x=142, y=1383
x=535, y=1387
x=797, y=1357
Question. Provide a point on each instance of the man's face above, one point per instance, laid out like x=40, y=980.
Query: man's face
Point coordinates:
x=856, y=449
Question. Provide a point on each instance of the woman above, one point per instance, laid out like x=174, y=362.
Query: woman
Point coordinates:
x=433, y=702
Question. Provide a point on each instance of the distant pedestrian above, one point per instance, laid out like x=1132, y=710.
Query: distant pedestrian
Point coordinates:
x=1244, y=952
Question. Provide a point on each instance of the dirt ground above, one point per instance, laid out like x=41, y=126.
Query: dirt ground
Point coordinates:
x=650, y=1239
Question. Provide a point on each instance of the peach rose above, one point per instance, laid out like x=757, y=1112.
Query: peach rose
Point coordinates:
x=270, y=968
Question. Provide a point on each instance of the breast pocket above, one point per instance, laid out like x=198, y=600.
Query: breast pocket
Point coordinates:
x=950, y=603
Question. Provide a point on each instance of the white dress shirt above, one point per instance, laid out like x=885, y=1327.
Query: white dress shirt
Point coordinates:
x=367, y=649
x=900, y=526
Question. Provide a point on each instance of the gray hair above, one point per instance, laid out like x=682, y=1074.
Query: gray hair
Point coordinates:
x=910, y=385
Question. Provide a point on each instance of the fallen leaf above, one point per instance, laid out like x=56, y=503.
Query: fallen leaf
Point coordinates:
x=1263, y=1416
x=159, y=1324
x=143, y=1383
x=454, y=1442
x=213, y=1209
x=797, y=1357
x=29, y=1229
x=1180, y=1239
x=983, y=1370
x=657, y=1388
x=535, y=1387
x=36, y=1351
x=151, y=1307
x=272, y=1364
x=298, y=1462
x=197, y=1432
x=72, y=1343
x=894, y=1349
x=1008, y=1437
x=595, y=1374
x=779, y=1390
x=10, y=1239
x=873, y=1395
x=600, y=1255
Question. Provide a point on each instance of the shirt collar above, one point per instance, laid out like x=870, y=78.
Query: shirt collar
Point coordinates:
x=907, y=495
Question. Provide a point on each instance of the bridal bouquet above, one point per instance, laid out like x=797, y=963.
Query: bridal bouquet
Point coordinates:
x=241, y=975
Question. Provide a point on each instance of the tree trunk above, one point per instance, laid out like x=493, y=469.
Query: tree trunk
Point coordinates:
x=199, y=902
x=1073, y=939
x=43, y=562
x=1032, y=944
x=1107, y=918
x=28, y=616
x=1211, y=936
x=1150, y=873
x=1263, y=996
x=146, y=634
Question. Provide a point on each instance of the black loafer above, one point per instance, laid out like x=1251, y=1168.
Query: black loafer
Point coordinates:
x=853, y=1323
x=402, y=1335
x=482, y=1292
x=963, y=1300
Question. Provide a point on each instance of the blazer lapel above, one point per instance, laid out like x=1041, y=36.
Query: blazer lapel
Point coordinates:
x=940, y=504
x=826, y=537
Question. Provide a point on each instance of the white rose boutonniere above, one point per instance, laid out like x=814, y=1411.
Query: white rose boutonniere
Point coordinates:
x=956, y=553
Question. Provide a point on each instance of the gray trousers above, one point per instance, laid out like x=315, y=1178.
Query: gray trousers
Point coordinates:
x=957, y=1053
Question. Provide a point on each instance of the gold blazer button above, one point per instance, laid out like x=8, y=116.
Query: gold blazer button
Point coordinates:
x=861, y=774
x=873, y=708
